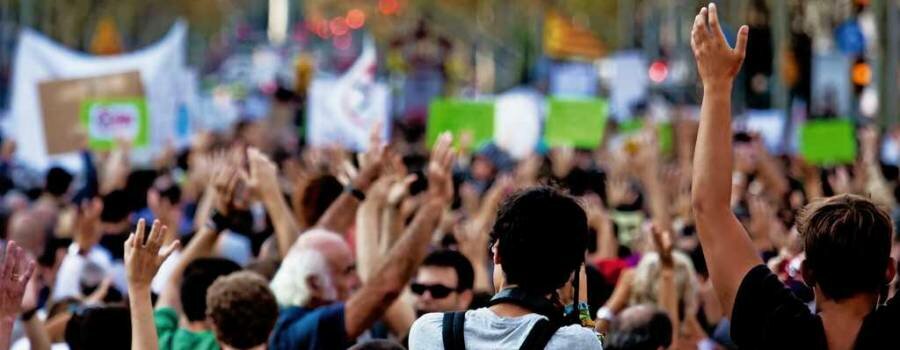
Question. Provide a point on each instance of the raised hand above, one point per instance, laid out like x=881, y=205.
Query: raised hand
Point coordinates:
x=662, y=240
x=144, y=254
x=372, y=161
x=15, y=272
x=87, y=232
x=399, y=190
x=263, y=175
x=440, y=169
x=717, y=63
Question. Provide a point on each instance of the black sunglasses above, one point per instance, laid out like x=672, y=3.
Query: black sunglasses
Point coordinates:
x=438, y=291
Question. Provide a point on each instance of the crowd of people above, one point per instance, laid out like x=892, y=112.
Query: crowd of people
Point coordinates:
x=246, y=240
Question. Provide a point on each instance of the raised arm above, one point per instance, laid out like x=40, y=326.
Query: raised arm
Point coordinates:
x=727, y=247
x=218, y=195
x=339, y=216
x=143, y=257
x=264, y=178
x=370, y=302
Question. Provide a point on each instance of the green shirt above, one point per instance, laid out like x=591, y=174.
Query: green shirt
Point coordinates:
x=171, y=337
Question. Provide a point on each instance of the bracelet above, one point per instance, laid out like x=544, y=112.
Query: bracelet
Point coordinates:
x=217, y=222
x=28, y=315
x=355, y=192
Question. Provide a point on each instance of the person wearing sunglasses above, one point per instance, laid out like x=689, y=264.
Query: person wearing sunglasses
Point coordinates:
x=443, y=283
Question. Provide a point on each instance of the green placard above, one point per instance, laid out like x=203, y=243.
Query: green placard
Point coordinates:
x=106, y=120
x=576, y=123
x=459, y=116
x=828, y=142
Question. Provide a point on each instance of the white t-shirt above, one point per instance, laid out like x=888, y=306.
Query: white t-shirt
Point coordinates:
x=485, y=330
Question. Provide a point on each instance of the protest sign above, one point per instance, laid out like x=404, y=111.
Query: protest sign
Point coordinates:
x=343, y=111
x=458, y=117
x=828, y=142
x=63, y=105
x=108, y=120
x=576, y=123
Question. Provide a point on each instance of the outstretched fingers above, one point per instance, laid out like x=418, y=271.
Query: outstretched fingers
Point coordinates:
x=741, y=47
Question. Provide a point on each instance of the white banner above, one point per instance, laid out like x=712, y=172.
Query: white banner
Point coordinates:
x=343, y=111
x=39, y=59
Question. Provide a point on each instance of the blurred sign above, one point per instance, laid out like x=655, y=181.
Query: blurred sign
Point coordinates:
x=343, y=111
x=629, y=83
x=108, y=120
x=517, y=123
x=769, y=124
x=564, y=39
x=828, y=142
x=63, y=102
x=575, y=123
x=44, y=113
x=458, y=117
x=573, y=79
x=831, y=84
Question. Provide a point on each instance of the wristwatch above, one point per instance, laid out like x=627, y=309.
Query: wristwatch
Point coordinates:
x=217, y=222
x=355, y=192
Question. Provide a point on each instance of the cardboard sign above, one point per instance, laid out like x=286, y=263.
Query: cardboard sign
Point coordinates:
x=62, y=102
x=828, y=142
x=459, y=116
x=576, y=123
x=108, y=120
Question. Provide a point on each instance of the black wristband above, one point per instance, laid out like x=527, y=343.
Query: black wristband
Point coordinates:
x=355, y=192
x=27, y=315
x=218, y=222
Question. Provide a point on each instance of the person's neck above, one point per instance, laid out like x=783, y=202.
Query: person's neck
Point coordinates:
x=509, y=309
x=197, y=326
x=843, y=319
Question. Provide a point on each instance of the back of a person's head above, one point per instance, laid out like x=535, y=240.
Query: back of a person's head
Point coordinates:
x=115, y=206
x=57, y=181
x=847, y=240
x=465, y=274
x=104, y=327
x=319, y=194
x=640, y=327
x=198, y=276
x=242, y=309
x=540, y=236
x=377, y=344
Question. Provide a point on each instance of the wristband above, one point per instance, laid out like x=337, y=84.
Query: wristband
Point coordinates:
x=355, y=192
x=217, y=222
x=28, y=315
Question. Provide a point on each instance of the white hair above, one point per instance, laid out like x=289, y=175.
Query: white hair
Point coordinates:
x=290, y=282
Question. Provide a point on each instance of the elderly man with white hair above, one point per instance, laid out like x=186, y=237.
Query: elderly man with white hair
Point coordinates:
x=323, y=304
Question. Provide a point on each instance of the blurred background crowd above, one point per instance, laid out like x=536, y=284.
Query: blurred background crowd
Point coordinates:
x=262, y=117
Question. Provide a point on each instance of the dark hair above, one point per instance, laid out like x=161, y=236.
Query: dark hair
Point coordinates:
x=847, y=240
x=465, y=274
x=106, y=327
x=541, y=238
x=319, y=195
x=377, y=344
x=242, y=308
x=115, y=206
x=198, y=276
x=57, y=181
x=642, y=332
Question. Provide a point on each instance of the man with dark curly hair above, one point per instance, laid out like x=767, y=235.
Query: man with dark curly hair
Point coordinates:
x=242, y=311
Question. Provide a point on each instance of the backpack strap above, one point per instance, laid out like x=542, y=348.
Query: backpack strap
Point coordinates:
x=540, y=335
x=453, y=330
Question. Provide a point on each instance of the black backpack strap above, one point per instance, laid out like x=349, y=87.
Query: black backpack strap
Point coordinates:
x=540, y=335
x=453, y=330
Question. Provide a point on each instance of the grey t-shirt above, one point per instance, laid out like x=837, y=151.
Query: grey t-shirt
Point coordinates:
x=486, y=330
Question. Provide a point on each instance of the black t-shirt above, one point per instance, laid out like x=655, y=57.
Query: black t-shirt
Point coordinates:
x=768, y=316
